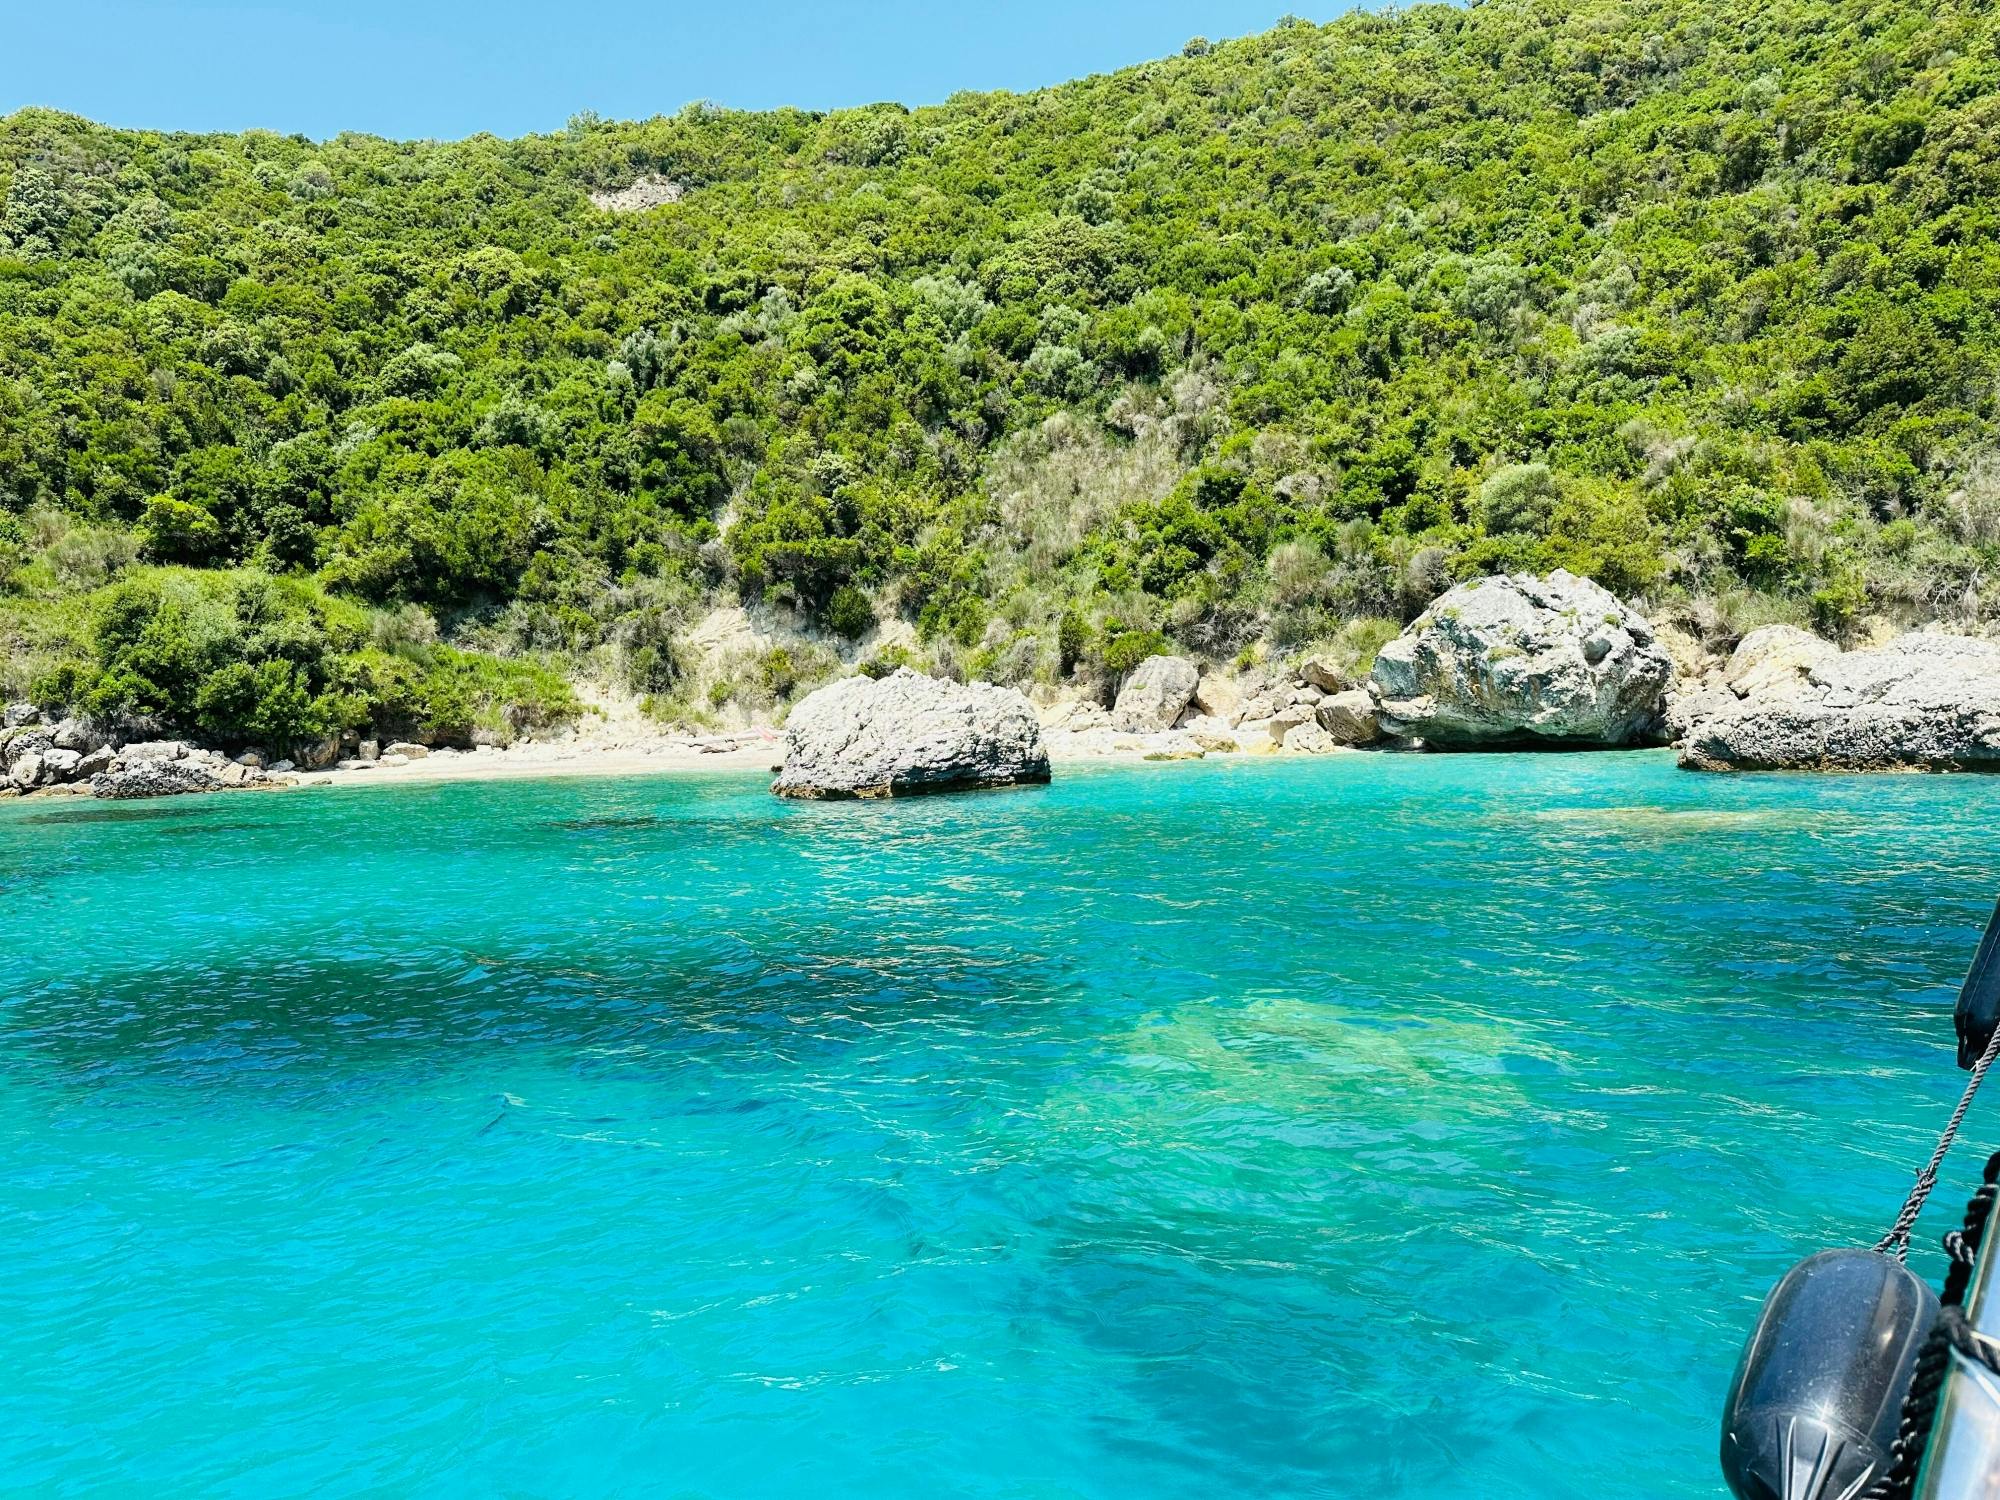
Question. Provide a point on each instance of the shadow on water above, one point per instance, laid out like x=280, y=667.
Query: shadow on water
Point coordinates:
x=152, y=814
x=209, y=1023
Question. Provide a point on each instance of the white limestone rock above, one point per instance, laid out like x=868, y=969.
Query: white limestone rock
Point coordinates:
x=1156, y=694
x=1925, y=701
x=907, y=734
x=1517, y=661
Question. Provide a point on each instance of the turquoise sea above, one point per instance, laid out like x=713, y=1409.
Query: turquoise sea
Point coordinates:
x=1373, y=1126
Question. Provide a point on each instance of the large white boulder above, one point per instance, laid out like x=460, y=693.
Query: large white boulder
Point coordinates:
x=907, y=734
x=1927, y=700
x=1155, y=695
x=1518, y=661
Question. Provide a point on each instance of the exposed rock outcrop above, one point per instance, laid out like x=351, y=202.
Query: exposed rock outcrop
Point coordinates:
x=19, y=742
x=78, y=757
x=1308, y=739
x=1776, y=663
x=155, y=778
x=650, y=191
x=1350, y=718
x=907, y=734
x=1325, y=674
x=1217, y=696
x=150, y=750
x=1155, y=695
x=78, y=735
x=319, y=755
x=26, y=771
x=1926, y=701
x=1516, y=661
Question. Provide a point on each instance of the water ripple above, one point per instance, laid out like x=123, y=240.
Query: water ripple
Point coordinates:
x=1300, y=1129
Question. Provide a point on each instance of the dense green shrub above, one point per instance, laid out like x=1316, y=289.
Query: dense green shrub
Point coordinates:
x=1125, y=648
x=1240, y=344
x=242, y=658
x=850, y=612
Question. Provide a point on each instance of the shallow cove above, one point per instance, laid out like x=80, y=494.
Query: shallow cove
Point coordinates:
x=1388, y=1125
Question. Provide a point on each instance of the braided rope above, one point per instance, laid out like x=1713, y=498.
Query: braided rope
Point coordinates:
x=1897, y=1240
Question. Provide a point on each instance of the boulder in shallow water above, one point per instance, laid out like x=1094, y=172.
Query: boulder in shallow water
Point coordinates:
x=1155, y=695
x=907, y=734
x=1519, y=662
x=154, y=778
x=1926, y=701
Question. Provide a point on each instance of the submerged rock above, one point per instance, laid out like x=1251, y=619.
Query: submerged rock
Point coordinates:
x=1518, y=661
x=1926, y=701
x=906, y=734
x=1155, y=695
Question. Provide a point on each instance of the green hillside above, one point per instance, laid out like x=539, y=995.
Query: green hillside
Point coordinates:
x=1260, y=345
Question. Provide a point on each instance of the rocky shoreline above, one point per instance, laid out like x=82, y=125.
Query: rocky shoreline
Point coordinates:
x=1501, y=663
x=74, y=758
x=1788, y=700
x=1518, y=662
x=1509, y=662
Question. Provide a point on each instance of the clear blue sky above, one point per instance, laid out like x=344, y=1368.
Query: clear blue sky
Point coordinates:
x=453, y=67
